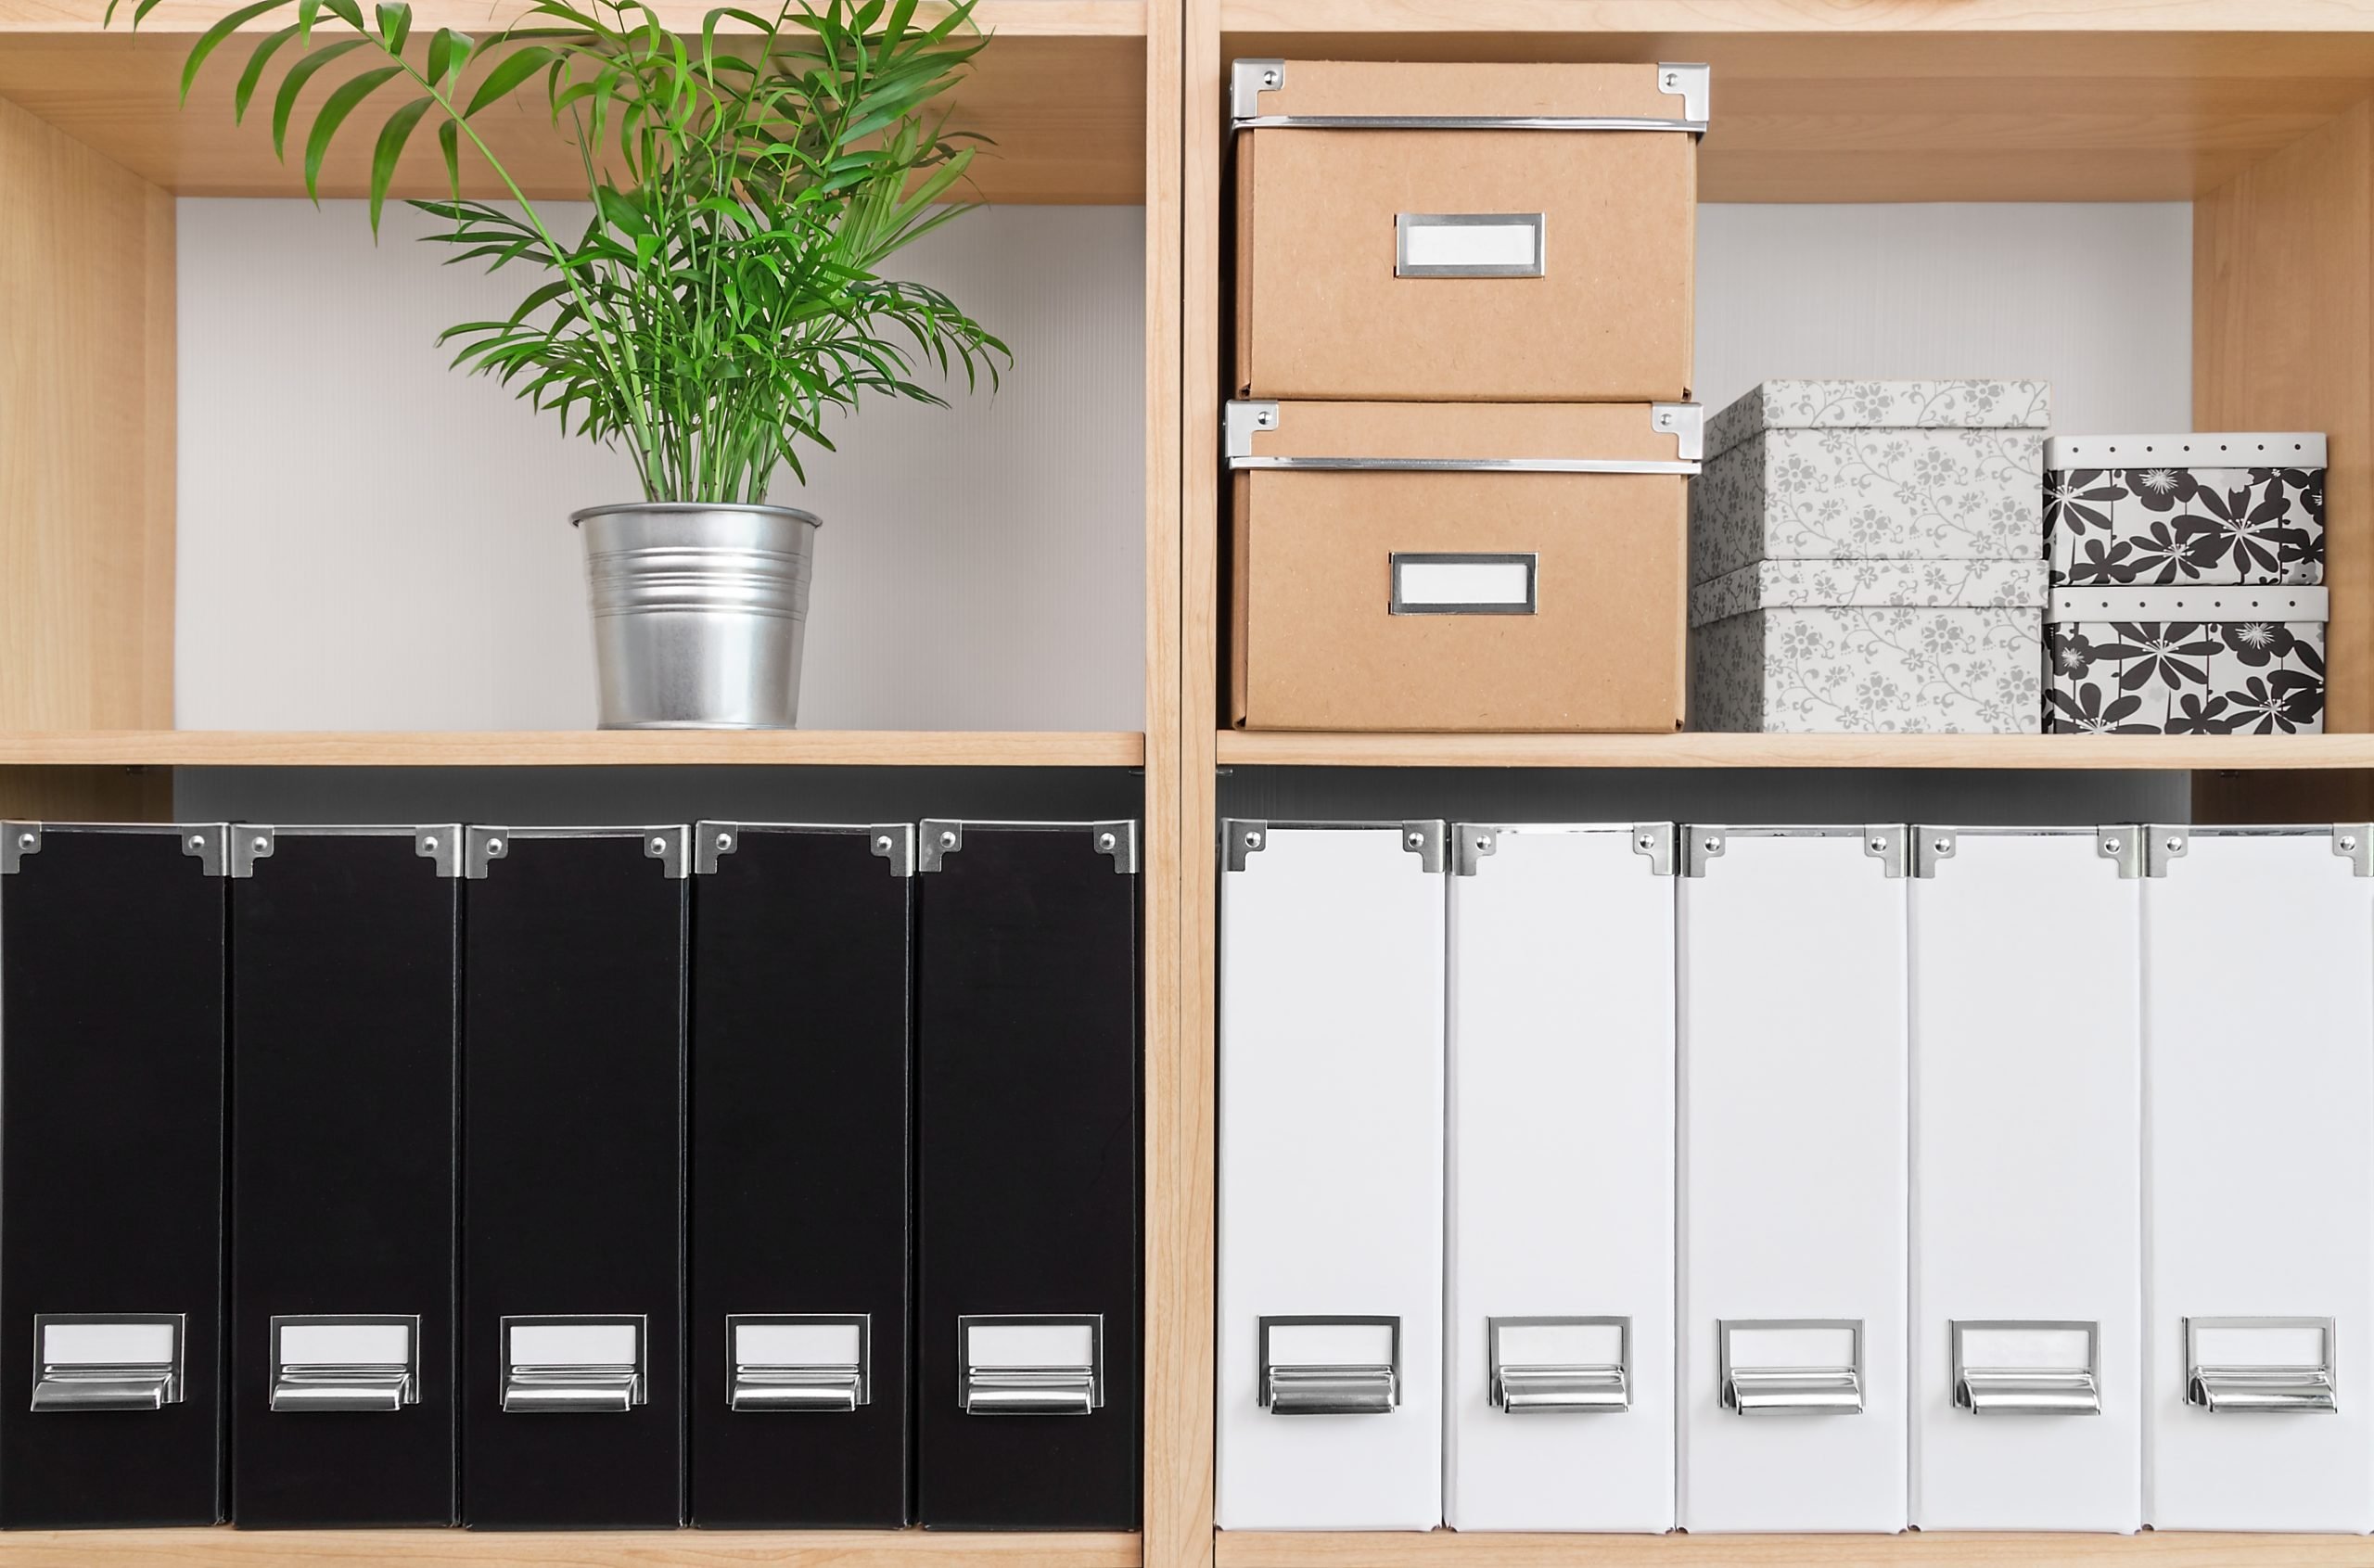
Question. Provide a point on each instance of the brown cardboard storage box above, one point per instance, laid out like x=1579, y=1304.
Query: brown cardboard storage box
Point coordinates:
x=1484, y=233
x=1459, y=566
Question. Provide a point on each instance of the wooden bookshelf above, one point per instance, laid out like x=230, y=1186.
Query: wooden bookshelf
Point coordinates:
x=1061, y=93
x=575, y=748
x=2207, y=753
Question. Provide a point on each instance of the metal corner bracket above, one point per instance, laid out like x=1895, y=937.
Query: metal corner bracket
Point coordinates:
x=1247, y=79
x=2355, y=843
x=1699, y=844
x=936, y=841
x=248, y=842
x=2164, y=842
x=894, y=842
x=1931, y=845
x=480, y=848
x=1240, y=421
x=1425, y=840
x=1694, y=85
x=1239, y=837
x=1656, y=842
x=711, y=841
x=2122, y=844
x=208, y=844
x=441, y=845
x=1470, y=843
x=1885, y=842
x=1118, y=843
x=17, y=841
x=671, y=847
x=1686, y=423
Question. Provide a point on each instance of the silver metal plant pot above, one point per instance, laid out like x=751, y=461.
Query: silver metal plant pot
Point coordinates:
x=699, y=612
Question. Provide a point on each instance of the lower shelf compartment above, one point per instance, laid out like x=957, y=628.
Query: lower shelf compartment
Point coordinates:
x=1932, y=1549
x=627, y=1549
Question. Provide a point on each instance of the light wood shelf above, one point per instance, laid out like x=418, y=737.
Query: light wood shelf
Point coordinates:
x=574, y=748
x=1914, y=100
x=1445, y=1548
x=639, y=1549
x=1061, y=90
x=2205, y=753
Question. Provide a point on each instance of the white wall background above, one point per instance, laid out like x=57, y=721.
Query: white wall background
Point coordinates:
x=982, y=566
x=2095, y=298
x=370, y=542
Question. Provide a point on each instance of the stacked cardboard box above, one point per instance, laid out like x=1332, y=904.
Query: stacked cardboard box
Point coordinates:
x=1461, y=442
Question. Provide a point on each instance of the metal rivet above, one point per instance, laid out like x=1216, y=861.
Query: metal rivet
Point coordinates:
x=948, y=841
x=1879, y=844
x=2111, y=845
x=429, y=842
x=1941, y=845
x=1710, y=844
x=260, y=844
x=197, y=841
x=1645, y=841
x=659, y=845
x=2172, y=844
x=1105, y=841
x=1269, y=79
x=24, y=841
x=1415, y=840
x=2348, y=843
x=494, y=846
x=726, y=841
x=1253, y=841
x=883, y=842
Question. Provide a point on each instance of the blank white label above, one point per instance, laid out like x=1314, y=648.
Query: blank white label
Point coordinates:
x=1030, y=1344
x=1561, y=1345
x=1514, y=247
x=1458, y=584
x=345, y=1344
x=2030, y=1350
x=107, y=1345
x=1824, y=1348
x=2301, y=1346
x=1331, y=1345
x=574, y=1344
x=797, y=1345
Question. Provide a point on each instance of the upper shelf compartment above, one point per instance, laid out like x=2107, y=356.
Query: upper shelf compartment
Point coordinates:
x=1914, y=100
x=1060, y=90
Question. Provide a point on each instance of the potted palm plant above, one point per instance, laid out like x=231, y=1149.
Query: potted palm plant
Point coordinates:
x=720, y=301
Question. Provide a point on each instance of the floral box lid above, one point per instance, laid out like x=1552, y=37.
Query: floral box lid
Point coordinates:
x=1866, y=584
x=1898, y=405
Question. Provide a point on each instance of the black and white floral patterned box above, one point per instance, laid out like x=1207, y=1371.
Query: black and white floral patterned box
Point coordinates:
x=1804, y=646
x=2155, y=511
x=1871, y=470
x=2206, y=660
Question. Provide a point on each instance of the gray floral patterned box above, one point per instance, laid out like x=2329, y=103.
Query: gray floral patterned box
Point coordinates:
x=2156, y=510
x=1871, y=470
x=1871, y=646
x=2209, y=660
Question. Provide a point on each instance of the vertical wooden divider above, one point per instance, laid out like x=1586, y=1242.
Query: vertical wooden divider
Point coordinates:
x=86, y=492
x=1179, y=1082
x=2283, y=339
x=86, y=394
x=1182, y=1154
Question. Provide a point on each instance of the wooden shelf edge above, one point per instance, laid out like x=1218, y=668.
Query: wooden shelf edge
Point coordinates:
x=1006, y=19
x=575, y=748
x=1785, y=16
x=2188, y=753
x=635, y=1548
x=1927, y=1549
